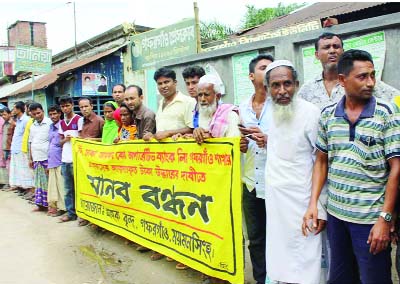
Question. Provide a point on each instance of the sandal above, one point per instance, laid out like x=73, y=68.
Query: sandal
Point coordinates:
x=169, y=259
x=66, y=218
x=51, y=211
x=140, y=248
x=181, y=266
x=156, y=256
x=82, y=222
x=38, y=209
x=58, y=213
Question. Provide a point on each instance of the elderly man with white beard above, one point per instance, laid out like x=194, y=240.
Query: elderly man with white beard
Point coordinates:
x=215, y=120
x=291, y=257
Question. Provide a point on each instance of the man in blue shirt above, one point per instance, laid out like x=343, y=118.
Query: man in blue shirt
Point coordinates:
x=20, y=173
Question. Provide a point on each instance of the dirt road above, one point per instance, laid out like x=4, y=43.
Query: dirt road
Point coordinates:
x=35, y=249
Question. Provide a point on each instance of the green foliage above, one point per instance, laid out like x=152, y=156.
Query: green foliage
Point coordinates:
x=255, y=17
x=214, y=31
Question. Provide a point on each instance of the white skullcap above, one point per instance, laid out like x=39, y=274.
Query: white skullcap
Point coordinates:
x=279, y=63
x=211, y=79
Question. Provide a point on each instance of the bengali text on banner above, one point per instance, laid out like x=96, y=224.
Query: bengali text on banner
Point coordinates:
x=175, y=197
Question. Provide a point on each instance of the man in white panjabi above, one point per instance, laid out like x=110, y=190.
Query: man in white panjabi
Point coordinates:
x=291, y=257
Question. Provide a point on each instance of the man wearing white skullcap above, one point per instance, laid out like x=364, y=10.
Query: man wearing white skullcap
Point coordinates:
x=291, y=257
x=215, y=119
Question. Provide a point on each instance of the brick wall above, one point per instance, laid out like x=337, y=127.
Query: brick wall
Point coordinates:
x=20, y=33
x=40, y=38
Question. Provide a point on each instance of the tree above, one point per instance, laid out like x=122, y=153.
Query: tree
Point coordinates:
x=214, y=30
x=255, y=17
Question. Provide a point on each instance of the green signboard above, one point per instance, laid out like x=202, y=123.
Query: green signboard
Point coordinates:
x=161, y=44
x=32, y=59
x=373, y=43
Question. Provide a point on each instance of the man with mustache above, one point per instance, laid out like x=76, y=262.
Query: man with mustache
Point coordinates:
x=215, y=120
x=290, y=256
x=358, y=154
x=174, y=114
x=325, y=89
x=92, y=129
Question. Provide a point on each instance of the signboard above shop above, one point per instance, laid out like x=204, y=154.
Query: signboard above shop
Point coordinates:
x=162, y=44
x=32, y=59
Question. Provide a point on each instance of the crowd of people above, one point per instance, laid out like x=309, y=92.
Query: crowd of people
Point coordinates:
x=323, y=155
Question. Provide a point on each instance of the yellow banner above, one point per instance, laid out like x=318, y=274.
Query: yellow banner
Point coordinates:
x=175, y=197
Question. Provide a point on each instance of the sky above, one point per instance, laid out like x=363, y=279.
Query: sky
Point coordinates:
x=96, y=17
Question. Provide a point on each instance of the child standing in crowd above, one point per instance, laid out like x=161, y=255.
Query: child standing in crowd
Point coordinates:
x=128, y=130
x=110, y=128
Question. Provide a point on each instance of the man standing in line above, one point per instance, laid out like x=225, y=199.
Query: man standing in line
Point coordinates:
x=69, y=127
x=174, y=115
x=215, y=120
x=55, y=189
x=255, y=116
x=8, y=132
x=175, y=111
x=358, y=151
x=290, y=256
x=145, y=118
x=92, y=124
x=39, y=145
x=325, y=89
x=118, y=92
x=192, y=75
x=30, y=193
x=20, y=173
x=145, y=121
x=92, y=127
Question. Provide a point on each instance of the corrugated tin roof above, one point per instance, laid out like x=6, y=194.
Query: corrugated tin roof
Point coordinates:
x=5, y=90
x=50, y=78
x=315, y=11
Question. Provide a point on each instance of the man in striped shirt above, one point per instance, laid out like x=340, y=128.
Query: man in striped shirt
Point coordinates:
x=358, y=151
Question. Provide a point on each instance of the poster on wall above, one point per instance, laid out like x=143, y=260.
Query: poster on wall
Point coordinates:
x=243, y=88
x=374, y=43
x=151, y=89
x=94, y=84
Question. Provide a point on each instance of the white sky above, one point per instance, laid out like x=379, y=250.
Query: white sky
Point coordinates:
x=96, y=17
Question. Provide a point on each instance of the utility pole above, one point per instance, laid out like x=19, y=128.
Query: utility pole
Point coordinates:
x=76, y=49
x=197, y=23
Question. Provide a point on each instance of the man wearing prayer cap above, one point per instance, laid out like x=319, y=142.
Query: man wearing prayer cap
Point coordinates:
x=291, y=257
x=215, y=119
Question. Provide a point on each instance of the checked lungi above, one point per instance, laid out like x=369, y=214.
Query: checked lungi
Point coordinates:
x=41, y=181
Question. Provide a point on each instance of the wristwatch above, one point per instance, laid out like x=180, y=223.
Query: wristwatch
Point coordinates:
x=386, y=216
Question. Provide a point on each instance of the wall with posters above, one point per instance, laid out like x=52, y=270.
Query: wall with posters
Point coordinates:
x=379, y=35
x=73, y=83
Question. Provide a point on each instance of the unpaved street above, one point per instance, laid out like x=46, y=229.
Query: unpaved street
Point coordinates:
x=35, y=249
